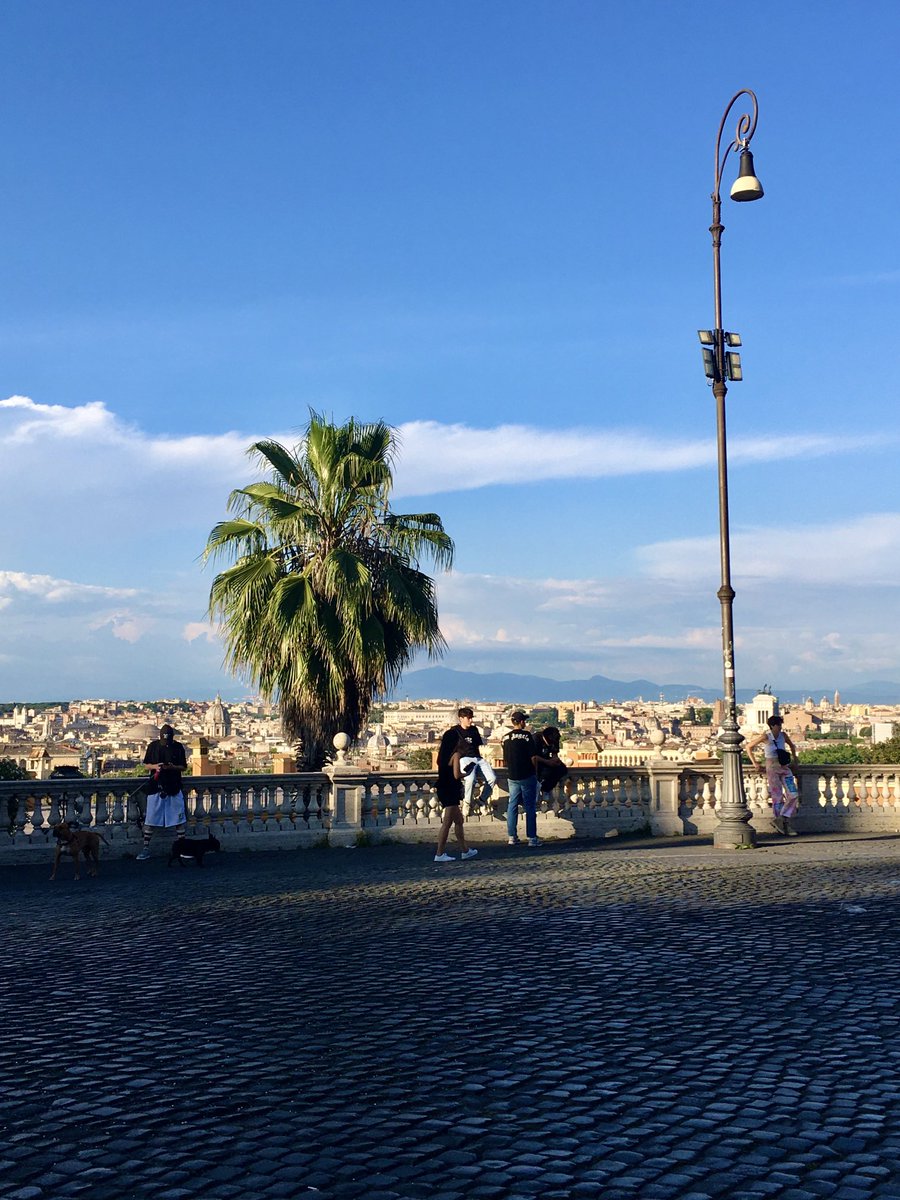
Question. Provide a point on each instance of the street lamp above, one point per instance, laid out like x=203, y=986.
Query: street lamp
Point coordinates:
x=722, y=363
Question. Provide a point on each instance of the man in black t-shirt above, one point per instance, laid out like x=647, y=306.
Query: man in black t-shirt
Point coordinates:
x=520, y=750
x=461, y=741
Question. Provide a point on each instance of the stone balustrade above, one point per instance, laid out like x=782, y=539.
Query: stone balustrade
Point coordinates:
x=345, y=806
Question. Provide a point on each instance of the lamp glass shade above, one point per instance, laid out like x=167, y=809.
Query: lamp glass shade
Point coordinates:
x=746, y=186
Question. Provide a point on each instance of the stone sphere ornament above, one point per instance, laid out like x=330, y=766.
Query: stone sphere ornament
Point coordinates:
x=341, y=742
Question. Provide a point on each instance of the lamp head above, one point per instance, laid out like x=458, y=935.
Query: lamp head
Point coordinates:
x=746, y=186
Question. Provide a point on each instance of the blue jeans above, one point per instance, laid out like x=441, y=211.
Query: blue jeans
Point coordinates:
x=524, y=792
x=487, y=771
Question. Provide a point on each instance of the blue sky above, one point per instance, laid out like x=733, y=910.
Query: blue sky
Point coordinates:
x=486, y=223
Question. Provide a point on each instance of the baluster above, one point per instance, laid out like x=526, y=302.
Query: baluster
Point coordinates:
x=434, y=809
x=564, y=794
x=118, y=809
x=257, y=807
x=595, y=793
x=68, y=807
x=213, y=800
x=706, y=795
x=190, y=799
x=21, y=812
x=101, y=814
x=243, y=808
x=322, y=796
x=135, y=807
x=37, y=814
x=404, y=811
x=270, y=808
x=576, y=795
x=420, y=804
x=825, y=794
x=288, y=806
x=372, y=803
x=756, y=800
x=308, y=808
x=687, y=791
x=229, y=815
x=55, y=816
x=199, y=807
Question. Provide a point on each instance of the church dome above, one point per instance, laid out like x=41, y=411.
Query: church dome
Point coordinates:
x=217, y=722
x=378, y=745
x=142, y=732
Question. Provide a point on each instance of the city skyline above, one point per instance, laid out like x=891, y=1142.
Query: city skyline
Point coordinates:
x=481, y=224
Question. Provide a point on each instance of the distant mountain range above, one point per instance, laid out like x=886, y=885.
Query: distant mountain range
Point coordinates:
x=432, y=683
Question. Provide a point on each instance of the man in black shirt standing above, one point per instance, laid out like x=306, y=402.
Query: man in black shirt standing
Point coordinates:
x=165, y=802
x=520, y=749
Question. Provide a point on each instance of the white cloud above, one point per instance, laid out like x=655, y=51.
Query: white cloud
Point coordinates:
x=860, y=552
x=23, y=422
x=449, y=458
x=689, y=639
x=126, y=626
x=55, y=591
x=200, y=629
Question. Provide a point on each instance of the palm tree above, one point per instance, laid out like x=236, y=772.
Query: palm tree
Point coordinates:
x=324, y=603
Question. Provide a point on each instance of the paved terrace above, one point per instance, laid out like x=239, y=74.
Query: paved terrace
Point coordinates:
x=622, y=1019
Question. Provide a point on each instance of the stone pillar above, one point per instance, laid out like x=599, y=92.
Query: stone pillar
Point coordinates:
x=665, y=778
x=347, y=794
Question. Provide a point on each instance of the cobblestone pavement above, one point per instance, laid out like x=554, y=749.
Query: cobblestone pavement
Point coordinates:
x=621, y=1020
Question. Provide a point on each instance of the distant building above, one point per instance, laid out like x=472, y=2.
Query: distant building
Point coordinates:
x=757, y=712
x=217, y=722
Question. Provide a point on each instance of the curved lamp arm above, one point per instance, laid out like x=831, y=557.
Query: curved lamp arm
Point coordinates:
x=746, y=127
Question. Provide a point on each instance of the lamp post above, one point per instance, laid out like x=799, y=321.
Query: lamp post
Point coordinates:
x=722, y=363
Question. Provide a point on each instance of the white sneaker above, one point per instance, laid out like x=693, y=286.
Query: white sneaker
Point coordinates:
x=513, y=841
x=534, y=842
x=444, y=858
x=469, y=853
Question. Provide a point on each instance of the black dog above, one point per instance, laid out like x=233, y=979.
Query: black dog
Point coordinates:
x=185, y=849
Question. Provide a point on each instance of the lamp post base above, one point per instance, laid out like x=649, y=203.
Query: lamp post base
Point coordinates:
x=734, y=831
x=734, y=834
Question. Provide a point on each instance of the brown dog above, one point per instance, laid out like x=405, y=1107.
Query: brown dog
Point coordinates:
x=78, y=842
